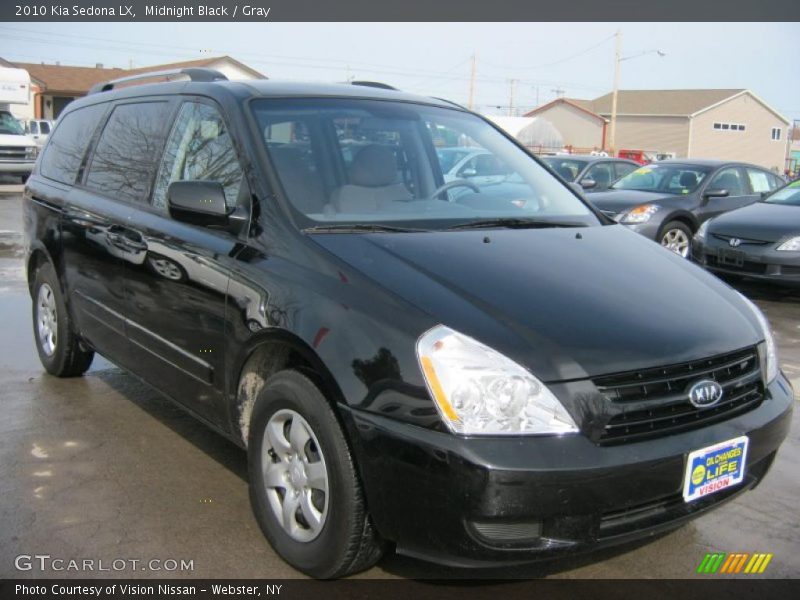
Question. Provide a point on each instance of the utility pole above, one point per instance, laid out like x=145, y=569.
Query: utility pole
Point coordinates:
x=612, y=130
x=471, y=101
x=558, y=92
x=512, y=83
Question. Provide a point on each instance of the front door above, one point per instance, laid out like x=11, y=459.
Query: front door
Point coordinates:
x=732, y=180
x=175, y=299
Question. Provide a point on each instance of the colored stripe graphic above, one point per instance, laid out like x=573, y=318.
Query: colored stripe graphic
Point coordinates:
x=736, y=562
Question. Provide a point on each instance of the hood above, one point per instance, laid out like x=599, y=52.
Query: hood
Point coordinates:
x=7, y=139
x=620, y=200
x=565, y=302
x=760, y=221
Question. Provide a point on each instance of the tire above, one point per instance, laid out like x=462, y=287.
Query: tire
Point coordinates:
x=59, y=348
x=343, y=541
x=676, y=236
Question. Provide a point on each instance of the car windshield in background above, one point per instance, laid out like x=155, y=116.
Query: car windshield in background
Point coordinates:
x=359, y=162
x=787, y=195
x=9, y=125
x=568, y=168
x=669, y=179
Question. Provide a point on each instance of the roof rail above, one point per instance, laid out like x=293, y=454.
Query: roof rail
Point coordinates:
x=194, y=74
x=451, y=103
x=374, y=84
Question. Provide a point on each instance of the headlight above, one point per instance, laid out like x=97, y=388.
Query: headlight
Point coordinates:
x=31, y=152
x=791, y=245
x=478, y=391
x=767, y=351
x=640, y=214
x=701, y=231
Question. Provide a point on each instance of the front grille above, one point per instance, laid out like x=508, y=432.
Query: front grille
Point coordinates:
x=12, y=153
x=747, y=266
x=654, y=402
x=744, y=241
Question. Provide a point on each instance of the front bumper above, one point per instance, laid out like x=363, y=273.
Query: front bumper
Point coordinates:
x=440, y=497
x=762, y=262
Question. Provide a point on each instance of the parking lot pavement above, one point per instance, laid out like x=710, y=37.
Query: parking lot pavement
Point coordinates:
x=102, y=467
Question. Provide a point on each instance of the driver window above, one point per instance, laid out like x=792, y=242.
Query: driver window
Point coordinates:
x=729, y=179
x=199, y=148
x=601, y=173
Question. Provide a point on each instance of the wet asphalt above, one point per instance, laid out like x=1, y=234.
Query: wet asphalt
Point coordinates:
x=103, y=468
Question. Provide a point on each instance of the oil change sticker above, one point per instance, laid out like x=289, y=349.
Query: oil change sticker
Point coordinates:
x=714, y=468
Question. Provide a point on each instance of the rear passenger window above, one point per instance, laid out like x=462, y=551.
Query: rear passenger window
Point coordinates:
x=760, y=181
x=126, y=154
x=623, y=169
x=66, y=147
x=200, y=149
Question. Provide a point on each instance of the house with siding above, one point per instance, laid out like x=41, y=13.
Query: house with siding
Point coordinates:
x=728, y=124
x=579, y=125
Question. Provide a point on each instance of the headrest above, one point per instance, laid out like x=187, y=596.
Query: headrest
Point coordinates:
x=373, y=166
x=688, y=179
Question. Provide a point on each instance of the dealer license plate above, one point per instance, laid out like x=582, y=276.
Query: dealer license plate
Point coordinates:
x=714, y=468
x=732, y=258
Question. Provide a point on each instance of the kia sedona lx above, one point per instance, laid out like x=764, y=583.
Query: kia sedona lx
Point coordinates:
x=436, y=367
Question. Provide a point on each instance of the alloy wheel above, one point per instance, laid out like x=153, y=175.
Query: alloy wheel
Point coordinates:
x=46, y=319
x=677, y=241
x=295, y=475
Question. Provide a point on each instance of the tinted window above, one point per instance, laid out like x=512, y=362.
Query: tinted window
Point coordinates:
x=200, y=149
x=128, y=150
x=567, y=168
x=32, y=127
x=66, y=147
x=601, y=173
x=45, y=127
x=730, y=179
x=623, y=169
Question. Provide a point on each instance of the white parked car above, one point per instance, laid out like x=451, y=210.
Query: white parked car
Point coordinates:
x=18, y=151
x=38, y=129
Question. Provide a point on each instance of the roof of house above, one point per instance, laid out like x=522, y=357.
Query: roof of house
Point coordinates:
x=662, y=102
x=78, y=80
x=584, y=105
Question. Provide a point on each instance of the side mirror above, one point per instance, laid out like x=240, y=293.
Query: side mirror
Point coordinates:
x=469, y=173
x=588, y=183
x=197, y=202
x=716, y=193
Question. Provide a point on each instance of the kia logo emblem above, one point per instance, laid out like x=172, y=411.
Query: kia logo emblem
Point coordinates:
x=734, y=242
x=705, y=394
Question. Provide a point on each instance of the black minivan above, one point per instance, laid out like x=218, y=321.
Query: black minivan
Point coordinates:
x=469, y=377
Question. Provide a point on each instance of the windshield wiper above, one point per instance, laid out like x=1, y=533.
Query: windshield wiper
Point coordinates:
x=361, y=228
x=514, y=223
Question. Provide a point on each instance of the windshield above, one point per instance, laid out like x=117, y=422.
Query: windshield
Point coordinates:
x=669, y=179
x=568, y=168
x=9, y=125
x=786, y=195
x=377, y=162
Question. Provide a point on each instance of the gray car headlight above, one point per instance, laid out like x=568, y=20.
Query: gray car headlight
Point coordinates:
x=791, y=245
x=767, y=350
x=700, y=234
x=478, y=391
x=640, y=214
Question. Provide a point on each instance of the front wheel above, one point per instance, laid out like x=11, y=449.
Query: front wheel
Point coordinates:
x=303, y=482
x=676, y=236
x=60, y=350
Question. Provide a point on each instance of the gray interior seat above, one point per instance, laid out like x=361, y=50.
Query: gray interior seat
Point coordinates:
x=372, y=182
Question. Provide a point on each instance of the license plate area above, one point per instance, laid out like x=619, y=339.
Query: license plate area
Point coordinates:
x=715, y=468
x=731, y=258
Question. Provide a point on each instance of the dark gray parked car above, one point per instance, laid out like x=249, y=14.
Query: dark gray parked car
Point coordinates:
x=593, y=173
x=667, y=201
x=760, y=241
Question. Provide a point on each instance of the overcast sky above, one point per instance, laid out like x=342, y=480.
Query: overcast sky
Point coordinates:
x=435, y=58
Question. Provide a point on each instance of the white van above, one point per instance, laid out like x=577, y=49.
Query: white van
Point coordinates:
x=18, y=150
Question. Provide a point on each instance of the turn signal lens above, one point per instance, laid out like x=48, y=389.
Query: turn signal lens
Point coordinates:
x=640, y=214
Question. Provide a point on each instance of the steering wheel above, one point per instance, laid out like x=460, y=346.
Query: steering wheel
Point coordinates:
x=453, y=184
